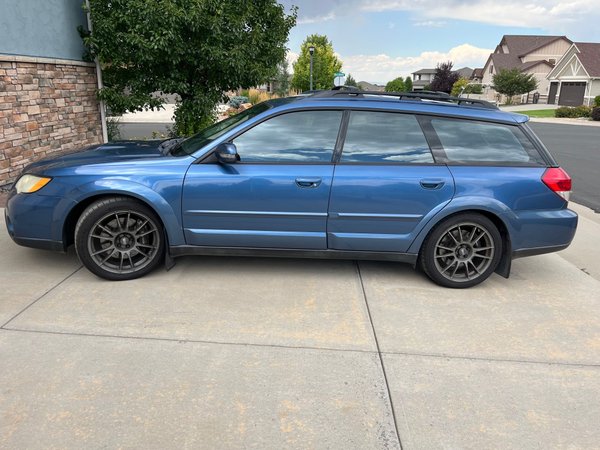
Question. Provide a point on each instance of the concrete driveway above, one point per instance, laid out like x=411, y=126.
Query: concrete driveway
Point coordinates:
x=266, y=353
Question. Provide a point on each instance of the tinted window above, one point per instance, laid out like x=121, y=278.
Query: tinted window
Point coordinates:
x=212, y=132
x=385, y=137
x=469, y=141
x=307, y=136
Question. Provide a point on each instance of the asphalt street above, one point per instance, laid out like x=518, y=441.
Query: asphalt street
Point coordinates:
x=575, y=147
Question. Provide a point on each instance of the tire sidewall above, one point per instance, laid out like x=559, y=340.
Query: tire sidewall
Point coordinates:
x=95, y=212
x=427, y=254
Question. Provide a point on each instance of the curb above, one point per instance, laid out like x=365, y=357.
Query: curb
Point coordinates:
x=582, y=122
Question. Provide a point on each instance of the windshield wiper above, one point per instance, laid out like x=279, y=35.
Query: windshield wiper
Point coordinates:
x=167, y=147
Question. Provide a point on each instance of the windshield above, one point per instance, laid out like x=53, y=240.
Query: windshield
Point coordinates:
x=211, y=133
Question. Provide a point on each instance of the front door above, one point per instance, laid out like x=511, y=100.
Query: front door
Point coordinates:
x=276, y=196
x=552, y=93
x=386, y=184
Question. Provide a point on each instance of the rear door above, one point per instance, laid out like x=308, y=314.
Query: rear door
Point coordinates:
x=386, y=184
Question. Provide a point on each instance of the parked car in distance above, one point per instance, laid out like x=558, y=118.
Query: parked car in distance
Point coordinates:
x=450, y=185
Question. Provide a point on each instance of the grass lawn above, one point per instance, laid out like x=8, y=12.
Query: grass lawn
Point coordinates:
x=539, y=113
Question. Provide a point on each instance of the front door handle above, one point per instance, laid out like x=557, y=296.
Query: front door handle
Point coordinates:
x=308, y=182
x=431, y=183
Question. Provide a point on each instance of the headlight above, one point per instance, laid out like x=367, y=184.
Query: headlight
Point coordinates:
x=31, y=183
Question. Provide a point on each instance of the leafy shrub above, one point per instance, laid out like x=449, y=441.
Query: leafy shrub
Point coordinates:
x=573, y=112
x=237, y=100
x=113, y=130
x=596, y=113
x=597, y=101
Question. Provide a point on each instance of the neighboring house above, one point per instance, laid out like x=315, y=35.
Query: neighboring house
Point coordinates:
x=465, y=72
x=575, y=80
x=535, y=55
x=366, y=86
x=48, y=99
x=477, y=76
x=422, y=78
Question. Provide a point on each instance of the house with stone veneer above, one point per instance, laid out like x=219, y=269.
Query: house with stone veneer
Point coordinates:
x=535, y=55
x=48, y=101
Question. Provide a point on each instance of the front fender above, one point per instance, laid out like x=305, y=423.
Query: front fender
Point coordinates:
x=462, y=204
x=166, y=203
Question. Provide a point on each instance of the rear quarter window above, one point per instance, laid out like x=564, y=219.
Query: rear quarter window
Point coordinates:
x=467, y=141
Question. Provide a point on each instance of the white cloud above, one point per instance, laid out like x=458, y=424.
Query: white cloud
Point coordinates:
x=324, y=18
x=577, y=17
x=291, y=57
x=382, y=68
x=430, y=23
x=545, y=14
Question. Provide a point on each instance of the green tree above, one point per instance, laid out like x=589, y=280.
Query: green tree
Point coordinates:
x=459, y=87
x=444, y=78
x=511, y=82
x=396, y=85
x=408, y=84
x=350, y=81
x=325, y=64
x=282, y=80
x=194, y=48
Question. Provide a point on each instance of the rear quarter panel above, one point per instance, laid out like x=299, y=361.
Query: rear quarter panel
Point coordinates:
x=534, y=216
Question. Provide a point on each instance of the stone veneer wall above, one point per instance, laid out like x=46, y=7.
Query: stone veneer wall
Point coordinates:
x=45, y=109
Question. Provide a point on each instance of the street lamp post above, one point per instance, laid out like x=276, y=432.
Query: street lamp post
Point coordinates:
x=311, y=50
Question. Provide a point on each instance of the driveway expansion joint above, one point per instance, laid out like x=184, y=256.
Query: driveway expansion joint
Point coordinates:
x=186, y=341
x=494, y=360
x=387, y=385
x=40, y=297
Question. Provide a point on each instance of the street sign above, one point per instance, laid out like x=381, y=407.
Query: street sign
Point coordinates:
x=340, y=74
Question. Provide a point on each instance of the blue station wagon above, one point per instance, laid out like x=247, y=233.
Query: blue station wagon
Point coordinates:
x=453, y=186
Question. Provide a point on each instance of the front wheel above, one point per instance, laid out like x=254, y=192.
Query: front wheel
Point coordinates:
x=462, y=251
x=119, y=238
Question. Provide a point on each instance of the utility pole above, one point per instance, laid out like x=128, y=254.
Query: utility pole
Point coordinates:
x=311, y=50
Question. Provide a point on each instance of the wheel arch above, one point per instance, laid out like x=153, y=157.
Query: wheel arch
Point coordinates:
x=504, y=265
x=163, y=210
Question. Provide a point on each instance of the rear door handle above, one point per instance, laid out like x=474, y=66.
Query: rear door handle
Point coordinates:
x=308, y=182
x=432, y=183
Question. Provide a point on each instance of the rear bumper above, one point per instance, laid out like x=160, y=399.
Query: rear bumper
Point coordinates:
x=521, y=253
x=539, y=232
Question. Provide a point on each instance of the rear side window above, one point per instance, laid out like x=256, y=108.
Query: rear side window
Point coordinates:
x=382, y=137
x=471, y=141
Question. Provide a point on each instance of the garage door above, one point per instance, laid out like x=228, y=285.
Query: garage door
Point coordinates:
x=571, y=94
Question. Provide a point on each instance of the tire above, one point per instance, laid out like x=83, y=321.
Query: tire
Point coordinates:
x=119, y=238
x=461, y=251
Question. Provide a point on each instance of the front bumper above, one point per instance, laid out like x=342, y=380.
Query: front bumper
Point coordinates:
x=37, y=221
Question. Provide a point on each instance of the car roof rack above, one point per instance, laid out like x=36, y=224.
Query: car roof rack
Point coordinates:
x=353, y=92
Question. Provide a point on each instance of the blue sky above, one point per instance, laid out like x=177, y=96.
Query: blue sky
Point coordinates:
x=378, y=40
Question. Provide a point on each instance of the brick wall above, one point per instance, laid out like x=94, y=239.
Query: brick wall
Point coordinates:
x=45, y=109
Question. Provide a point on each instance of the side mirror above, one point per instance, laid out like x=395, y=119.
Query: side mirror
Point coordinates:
x=227, y=153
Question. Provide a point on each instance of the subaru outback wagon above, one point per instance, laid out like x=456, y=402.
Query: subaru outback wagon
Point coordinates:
x=450, y=185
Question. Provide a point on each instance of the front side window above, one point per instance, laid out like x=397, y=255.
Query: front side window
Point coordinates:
x=471, y=141
x=296, y=137
x=382, y=137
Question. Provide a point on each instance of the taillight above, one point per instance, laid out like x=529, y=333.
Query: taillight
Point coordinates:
x=558, y=181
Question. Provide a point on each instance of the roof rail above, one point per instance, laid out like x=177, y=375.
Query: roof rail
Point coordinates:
x=350, y=91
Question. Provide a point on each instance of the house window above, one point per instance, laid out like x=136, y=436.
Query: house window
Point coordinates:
x=492, y=68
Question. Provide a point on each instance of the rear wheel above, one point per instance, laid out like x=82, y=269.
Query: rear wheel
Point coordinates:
x=119, y=239
x=462, y=251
